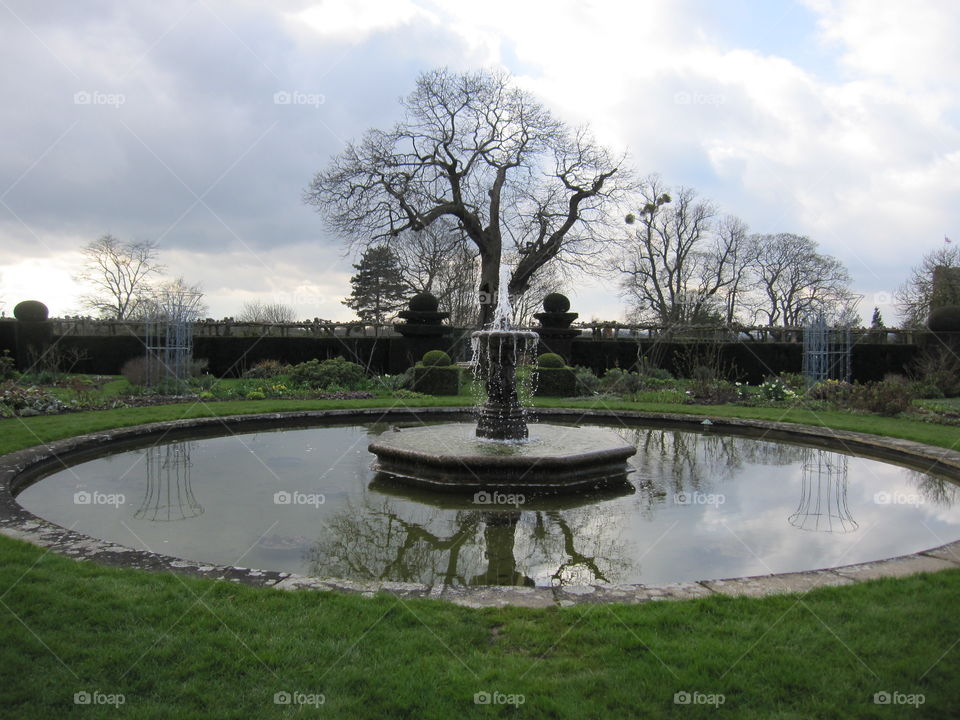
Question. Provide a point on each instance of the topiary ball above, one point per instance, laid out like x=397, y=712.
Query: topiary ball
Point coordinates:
x=556, y=303
x=424, y=302
x=944, y=319
x=31, y=311
x=550, y=360
x=436, y=358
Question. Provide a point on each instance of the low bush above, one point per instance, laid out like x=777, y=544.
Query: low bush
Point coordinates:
x=135, y=371
x=586, y=382
x=267, y=369
x=888, y=397
x=8, y=366
x=436, y=358
x=334, y=371
x=550, y=360
x=436, y=380
x=16, y=399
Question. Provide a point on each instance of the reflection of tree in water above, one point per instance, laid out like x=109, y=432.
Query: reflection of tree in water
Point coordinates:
x=675, y=461
x=470, y=547
x=934, y=490
x=823, y=494
x=169, y=491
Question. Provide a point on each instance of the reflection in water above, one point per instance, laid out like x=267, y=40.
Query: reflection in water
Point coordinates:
x=670, y=462
x=550, y=541
x=823, y=494
x=169, y=492
x=934, y=490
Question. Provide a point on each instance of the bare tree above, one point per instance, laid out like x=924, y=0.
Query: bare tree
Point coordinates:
x=119, y=273
x=256, y=311
x=477, y=150
x=682, y=265
x=795, y=281
x=175, y=293
x=915, y=296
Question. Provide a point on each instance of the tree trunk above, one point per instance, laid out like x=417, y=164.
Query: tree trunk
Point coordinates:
x=489, y=284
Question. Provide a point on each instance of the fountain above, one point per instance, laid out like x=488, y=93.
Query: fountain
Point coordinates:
x=499, y=452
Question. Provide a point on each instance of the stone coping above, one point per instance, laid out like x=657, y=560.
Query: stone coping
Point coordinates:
x=22, y=467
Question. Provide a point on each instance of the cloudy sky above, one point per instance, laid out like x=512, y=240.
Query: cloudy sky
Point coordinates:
x=839, y=119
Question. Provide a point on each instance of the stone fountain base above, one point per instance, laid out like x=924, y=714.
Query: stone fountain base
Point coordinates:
x=555, y=458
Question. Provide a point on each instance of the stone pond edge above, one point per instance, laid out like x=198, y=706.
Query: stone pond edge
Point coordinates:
x=20, y=467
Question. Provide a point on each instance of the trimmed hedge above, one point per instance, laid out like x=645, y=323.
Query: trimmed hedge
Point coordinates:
x=556, y=382
x=436, y=380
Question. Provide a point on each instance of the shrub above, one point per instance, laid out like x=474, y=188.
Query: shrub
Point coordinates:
x=424, y=302
x=436, y=379
x=556, y=303
x=586, y=382
x=135, y=371
x=550, y=360
x=25, y=401
x=556, y=382
x=267, y=369
x=256, y=395
x=334, y=371
x=30, y=311
x=436, y=358
x=888, y=397
x=8, y=366
x=939, y=368
x=620, y=382
x=834, y=392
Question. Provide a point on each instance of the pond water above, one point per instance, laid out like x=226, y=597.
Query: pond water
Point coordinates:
x=699, y=505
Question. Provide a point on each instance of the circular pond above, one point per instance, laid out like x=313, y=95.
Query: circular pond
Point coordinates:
x=698, y=505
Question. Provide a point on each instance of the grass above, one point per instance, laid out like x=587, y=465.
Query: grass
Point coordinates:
x=186, y=648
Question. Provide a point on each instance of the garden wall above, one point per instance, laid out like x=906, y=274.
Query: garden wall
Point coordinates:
x=746, y=361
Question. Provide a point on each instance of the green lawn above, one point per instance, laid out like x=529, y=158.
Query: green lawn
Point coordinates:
x=182, y=647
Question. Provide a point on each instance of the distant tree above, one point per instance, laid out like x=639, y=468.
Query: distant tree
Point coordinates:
x=683, y=265
x=795, y=281
x=876, y=322
x=487, y=155
x=915, y=296
x=120, y=274
x=256, y=311
x=378, y=287
x=174, y=298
